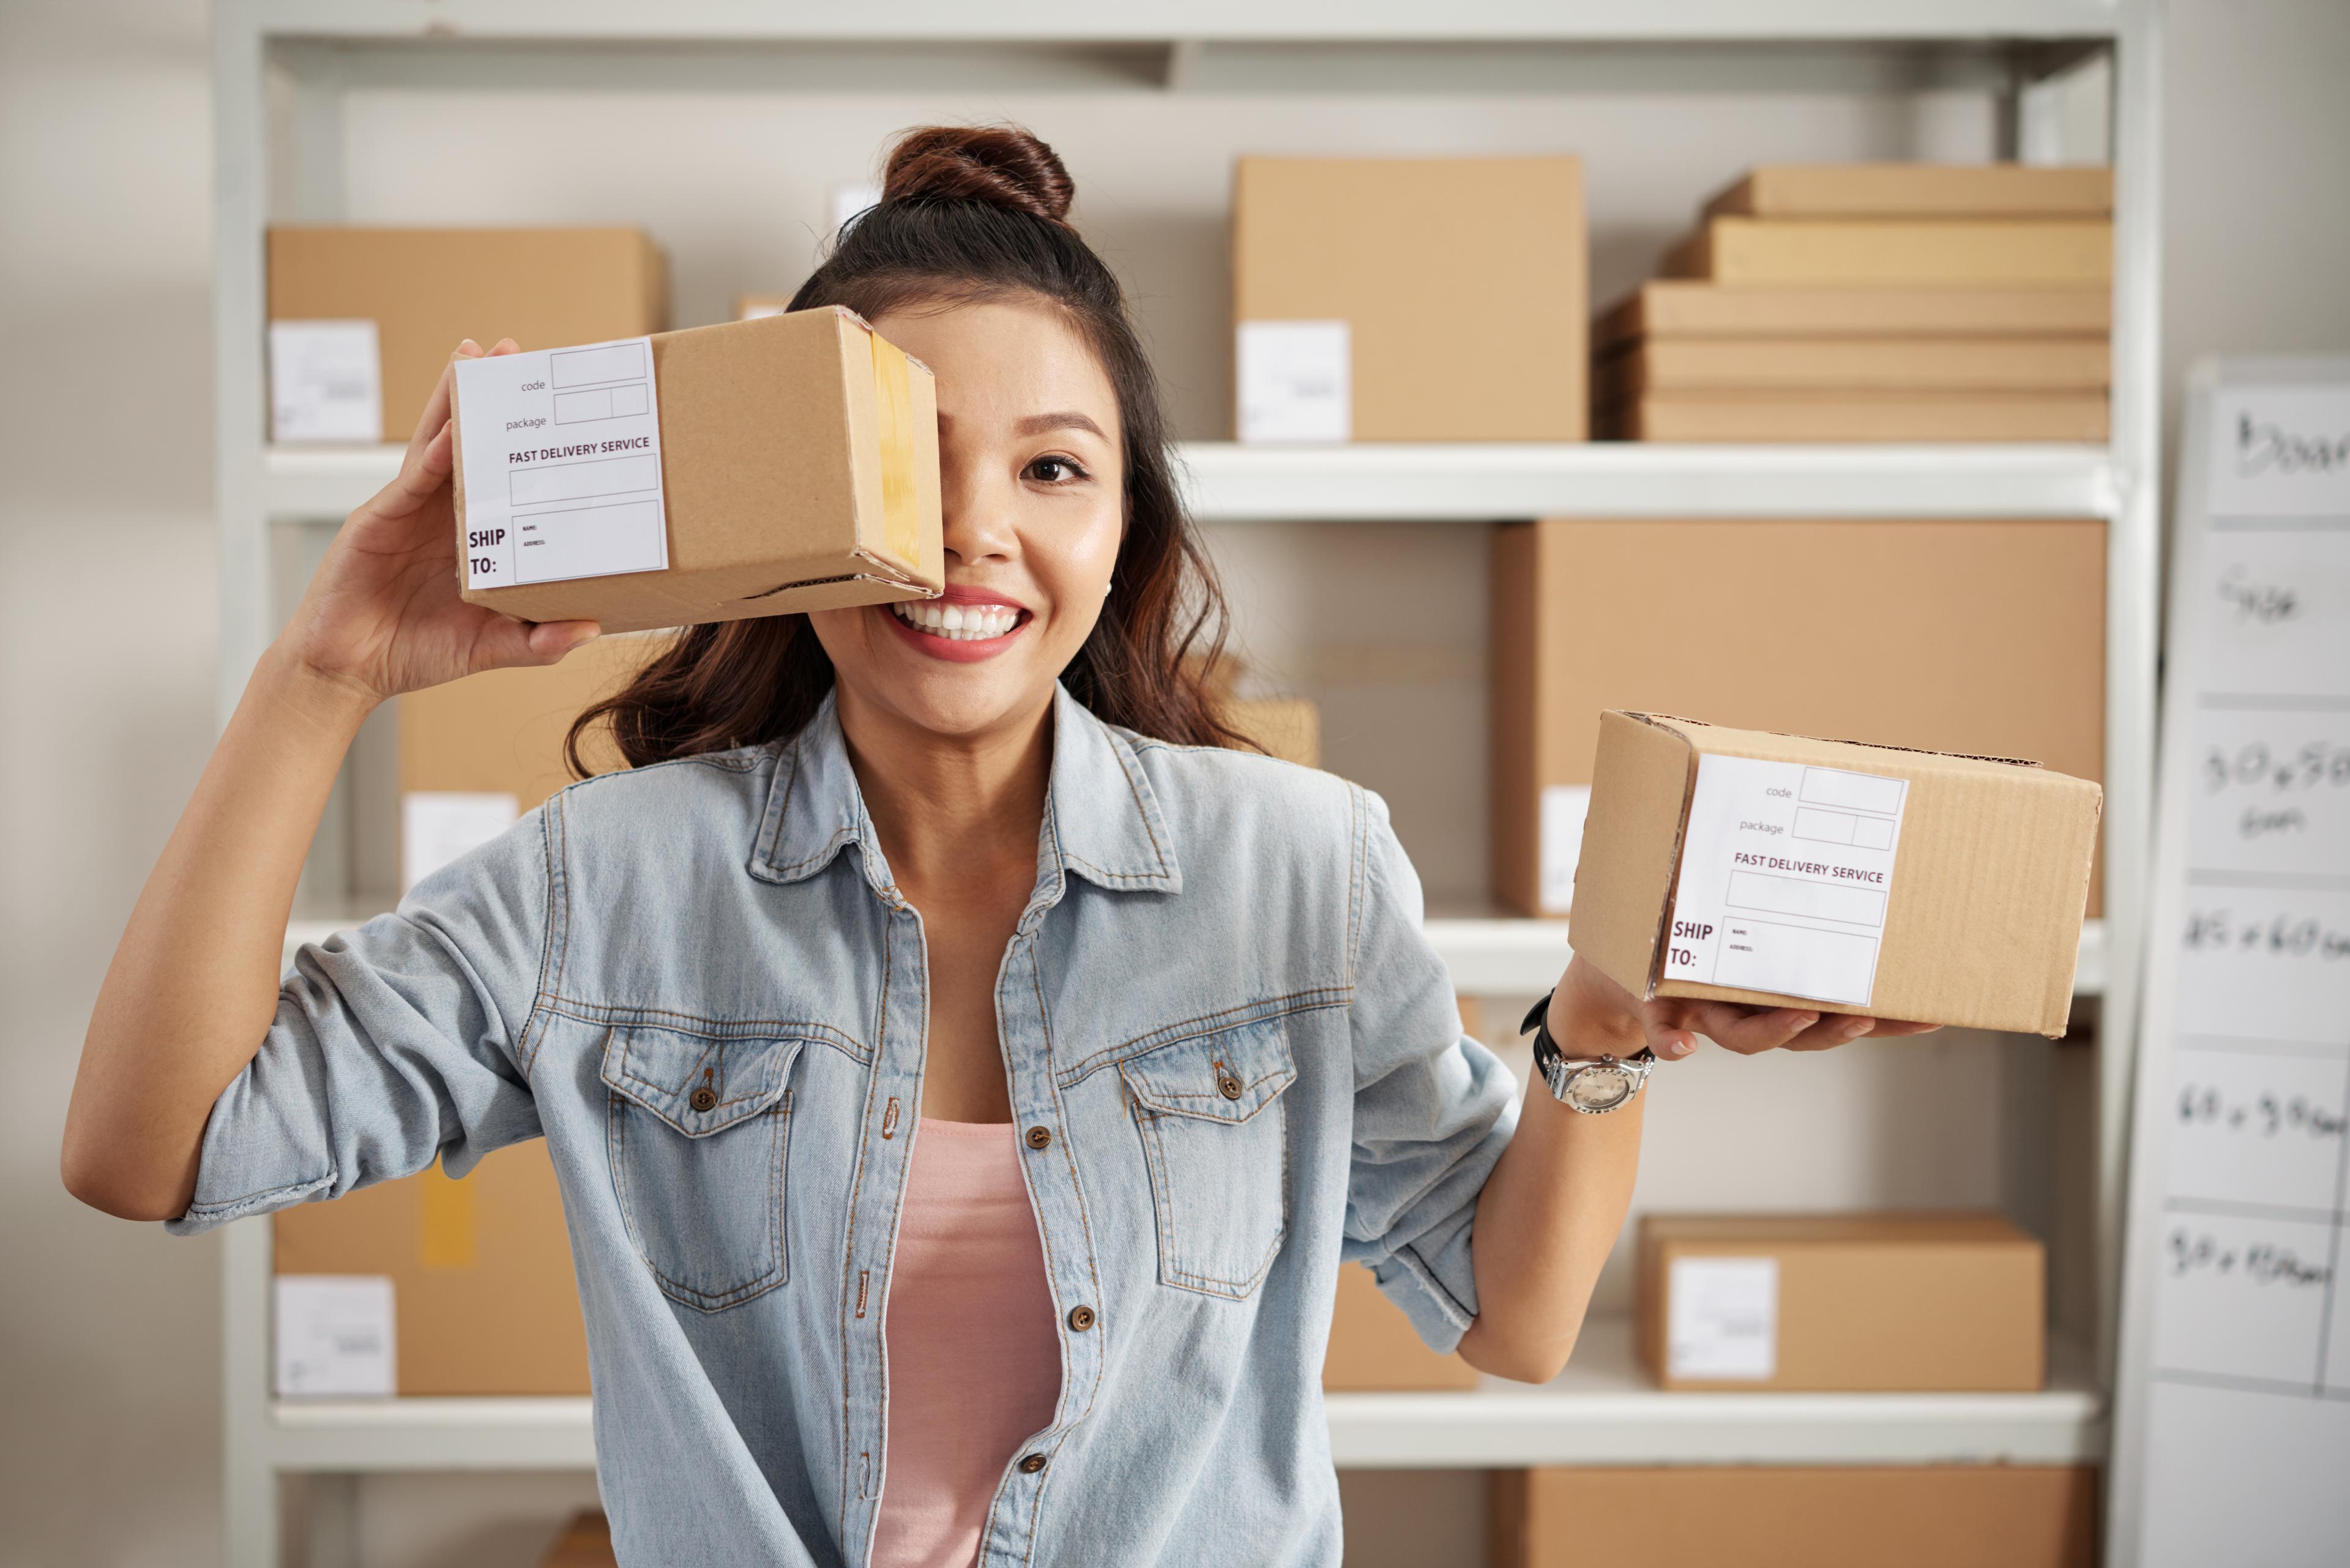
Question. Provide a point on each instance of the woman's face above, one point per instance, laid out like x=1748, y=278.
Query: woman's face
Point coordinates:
x=1033, y=481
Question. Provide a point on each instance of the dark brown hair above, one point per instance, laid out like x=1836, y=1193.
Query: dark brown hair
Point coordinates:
x=969, y=215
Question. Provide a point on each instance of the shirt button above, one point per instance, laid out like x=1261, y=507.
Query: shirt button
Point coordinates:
x=1081, y=1318
x=1039, y=1137
x=1032, y=1464
x=1229, y=1087
x=704, y=1099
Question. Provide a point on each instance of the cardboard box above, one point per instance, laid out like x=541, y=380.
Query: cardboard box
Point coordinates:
x=1891, y=1303
x=1847, y=365
x=1821, y=250
x=1374, y=1348
x=755, y=307
x=427, y=290
x=1458, y=288
x=485, y=1299
x=800, y=469
x=1685, y=308
x=1842, y=416
x=1768, y=1516
x=1289, y=728
x=586, y=1542
x=1957, y=634
x=1918, y=190
x=1778, y=870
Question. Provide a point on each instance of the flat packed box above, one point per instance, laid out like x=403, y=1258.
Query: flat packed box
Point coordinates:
x=1984, y=636
x=472, y=1286
x=1851, y=364
x=1816, y=251
x=1807, y=414
x=1918, y=190
x=1773, y=1516
x=475, y=754
x=1779, y=870
x=363, y=319
x=1670, y=308
x=1374, y=1348
x=1410, y=299
x=754, y=468
x=1882, y=1302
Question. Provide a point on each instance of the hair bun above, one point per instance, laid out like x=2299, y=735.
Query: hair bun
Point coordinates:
x=999, y=164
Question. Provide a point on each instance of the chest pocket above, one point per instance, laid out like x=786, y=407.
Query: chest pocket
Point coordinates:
x=700, y=1136
x=1215, y=1130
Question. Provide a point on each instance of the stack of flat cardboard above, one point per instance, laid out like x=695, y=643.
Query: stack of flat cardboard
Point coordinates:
x=1873, y=302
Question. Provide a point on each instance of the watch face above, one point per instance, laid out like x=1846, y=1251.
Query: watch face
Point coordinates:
x=1601, y=1088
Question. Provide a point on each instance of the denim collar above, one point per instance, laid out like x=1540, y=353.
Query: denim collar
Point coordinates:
x=1101, y=819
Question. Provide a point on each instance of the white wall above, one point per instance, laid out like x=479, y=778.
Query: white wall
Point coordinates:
x=108, y=1332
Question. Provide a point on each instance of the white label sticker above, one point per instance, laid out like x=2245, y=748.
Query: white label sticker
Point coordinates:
x=436, y=826
x=1722, y=1318
x=1563, y=807
x=1296, y=381
x=334, y=1336
x=325, y=381
x=1786, y=873
x=563, y=470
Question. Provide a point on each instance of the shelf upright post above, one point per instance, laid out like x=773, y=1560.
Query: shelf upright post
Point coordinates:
x=2133, y=629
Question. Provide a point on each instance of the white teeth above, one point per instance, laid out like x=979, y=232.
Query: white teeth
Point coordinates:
x=959, y=623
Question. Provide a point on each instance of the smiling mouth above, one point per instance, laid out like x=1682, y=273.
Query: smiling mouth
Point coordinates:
x=957, y=623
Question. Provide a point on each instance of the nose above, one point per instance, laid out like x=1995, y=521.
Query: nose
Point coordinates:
x=975, y=509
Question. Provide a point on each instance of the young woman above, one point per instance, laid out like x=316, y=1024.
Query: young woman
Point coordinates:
x=966, y=1068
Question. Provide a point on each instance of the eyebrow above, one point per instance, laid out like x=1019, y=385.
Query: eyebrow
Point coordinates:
x=1037, y=424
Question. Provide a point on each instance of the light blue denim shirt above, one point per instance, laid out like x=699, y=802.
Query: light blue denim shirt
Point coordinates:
x=1233, y=1059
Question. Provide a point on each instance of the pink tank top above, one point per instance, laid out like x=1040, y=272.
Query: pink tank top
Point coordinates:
x=974, y=1357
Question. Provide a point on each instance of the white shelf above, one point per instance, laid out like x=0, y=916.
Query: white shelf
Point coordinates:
x=1457, y=481
x=1601, y=1411
x=1489, y=956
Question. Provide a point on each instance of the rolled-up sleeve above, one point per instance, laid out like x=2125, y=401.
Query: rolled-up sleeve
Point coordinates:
x=395, y=1044
x=1433, y=1108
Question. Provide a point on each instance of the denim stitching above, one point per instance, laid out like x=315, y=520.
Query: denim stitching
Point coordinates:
x=216, y=1207
x=765, y=1094
x=855, y=1187
x=1163, y=1200
x=554, y=946
x=1309, y=1000
x=1357, y=874
x=806, y=1029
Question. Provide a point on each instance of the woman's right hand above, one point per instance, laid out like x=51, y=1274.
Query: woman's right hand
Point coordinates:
x=383, y=615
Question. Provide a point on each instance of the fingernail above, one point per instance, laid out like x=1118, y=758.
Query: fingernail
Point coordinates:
x=1680, y=1046
x=1853, y=1028
x=1804, y=1019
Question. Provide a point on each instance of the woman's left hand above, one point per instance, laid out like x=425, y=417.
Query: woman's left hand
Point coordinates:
x=1589, y=1003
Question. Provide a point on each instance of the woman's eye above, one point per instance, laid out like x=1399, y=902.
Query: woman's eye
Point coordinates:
x=1054, y=471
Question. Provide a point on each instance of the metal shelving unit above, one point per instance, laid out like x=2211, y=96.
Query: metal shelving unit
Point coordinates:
x=291, y=62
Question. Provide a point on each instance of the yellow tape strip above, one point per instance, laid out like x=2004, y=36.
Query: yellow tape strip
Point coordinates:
x=893, y=399
x=449, y=1232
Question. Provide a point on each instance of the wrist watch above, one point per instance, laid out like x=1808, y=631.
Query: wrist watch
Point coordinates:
x=1592, y=1084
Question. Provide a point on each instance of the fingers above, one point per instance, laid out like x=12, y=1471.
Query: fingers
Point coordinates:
x=1672, y=1027
x=1836, y=1029
x=549, y=640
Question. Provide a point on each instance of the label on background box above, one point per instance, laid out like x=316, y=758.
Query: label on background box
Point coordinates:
x=1563, y=807
x=334, y=1336
x=1786, y=872
x=1722, y=1319
x=325, y=381
x=436, y=826
x=562, y=472
x=1296, y=381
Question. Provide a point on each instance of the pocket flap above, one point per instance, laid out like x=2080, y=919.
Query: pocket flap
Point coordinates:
x=1227, y=1076
x=698, y=1083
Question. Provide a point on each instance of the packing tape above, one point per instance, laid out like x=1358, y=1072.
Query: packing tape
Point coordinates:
x=449, y=1232
x=893, y=399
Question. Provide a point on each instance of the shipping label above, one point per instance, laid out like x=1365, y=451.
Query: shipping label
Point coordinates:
x=1786, y=872
x=1296, y=381
x=1722, y=1320
x=563, y=464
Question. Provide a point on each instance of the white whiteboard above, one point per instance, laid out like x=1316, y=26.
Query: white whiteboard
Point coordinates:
x=2232, y=1417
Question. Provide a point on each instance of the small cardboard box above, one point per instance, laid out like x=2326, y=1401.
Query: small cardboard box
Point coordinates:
x=586, y=1542
x=1982, y=636
x=1374, y=1348
x=1346, y=278
x=1770, y=1516
x=427, y=290
x=483, y=1297
x=1668, y=309
x=1899, y=253
x=1289, y=728
x=1890, y=1303
x=1783, y=871
x=799, y=470
x=1918, y=190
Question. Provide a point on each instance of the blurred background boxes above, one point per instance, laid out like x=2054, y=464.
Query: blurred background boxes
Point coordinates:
x=426, y=290
x=1951, y=635
x=1924, y=303
x=1894, y=1303
x=1769, y=1516
x=1410, y=299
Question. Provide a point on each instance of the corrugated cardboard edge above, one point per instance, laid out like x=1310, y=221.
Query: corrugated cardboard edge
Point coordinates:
x=1640, y=776
x=857, y=373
